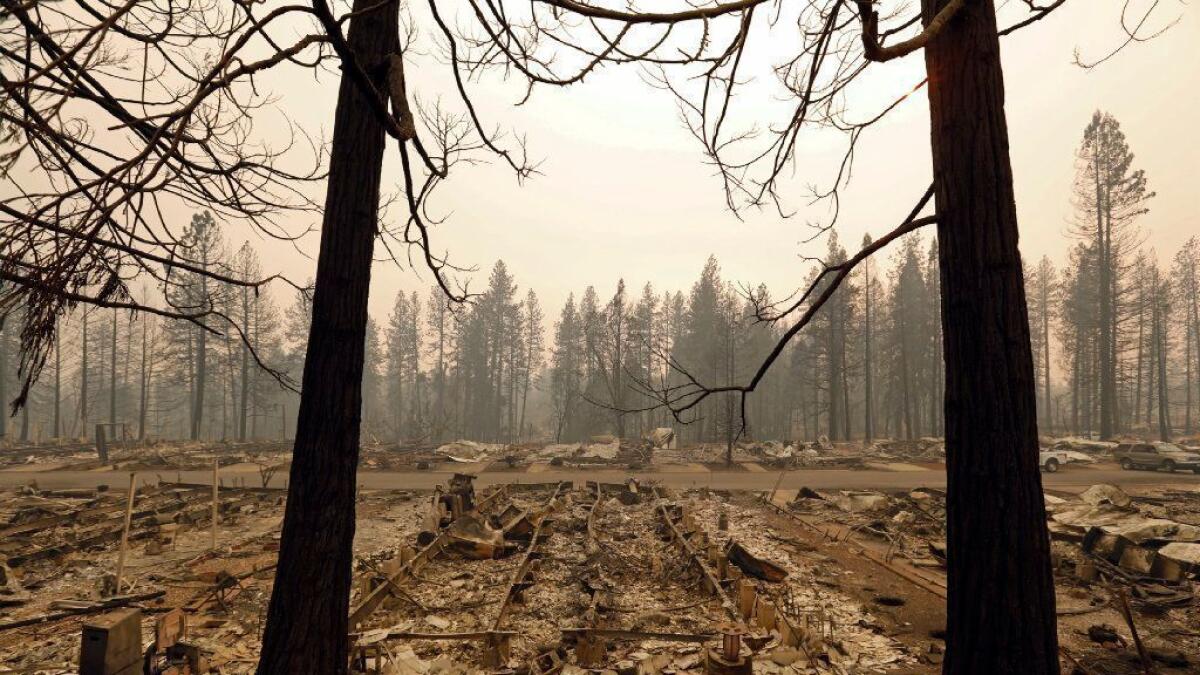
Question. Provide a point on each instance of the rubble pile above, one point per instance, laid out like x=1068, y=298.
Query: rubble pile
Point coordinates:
x=912, y=523
x=619, y=576
x=63, y=572
x=819, y=454
x=1125, y=564
x=558, y=577
x=1120, y=561
x=131, y=455
x=916, y=450
x=852, y=640
x=656, y=448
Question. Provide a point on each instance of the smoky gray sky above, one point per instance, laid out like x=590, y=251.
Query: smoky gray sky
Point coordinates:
x=624, y=191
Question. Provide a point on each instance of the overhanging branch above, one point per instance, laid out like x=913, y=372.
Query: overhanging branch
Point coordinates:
x=679, y=399
x=874, y=51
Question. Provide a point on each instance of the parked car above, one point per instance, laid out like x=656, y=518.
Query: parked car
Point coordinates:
x=1051, y=460
x=1157, y=456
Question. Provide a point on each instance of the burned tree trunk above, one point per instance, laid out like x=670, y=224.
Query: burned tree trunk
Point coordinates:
x=243, y=407
x=307, y=618
x=201, y=356
x=83, y=377
x=1000, y=608
x=3, y=382
x=1160, y=348
x=1045, y=303
x=57, y=386
x=112, y=372
x=144, y=381
x=868, y=395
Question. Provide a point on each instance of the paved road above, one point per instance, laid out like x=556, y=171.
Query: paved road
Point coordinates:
x=1069, y=479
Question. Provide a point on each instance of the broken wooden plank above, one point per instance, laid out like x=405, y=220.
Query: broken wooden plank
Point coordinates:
x=624, y=634
x=413, y=635
x=103, y=606
x=359, y=613
x=519, y=581
x=697, y=560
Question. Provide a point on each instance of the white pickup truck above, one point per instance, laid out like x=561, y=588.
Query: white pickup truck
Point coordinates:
x=1051, y=460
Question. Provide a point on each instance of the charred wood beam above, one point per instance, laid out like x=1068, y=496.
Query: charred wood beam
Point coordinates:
x=465, y=636
x=519, y=581
x=199, y=507
x=905, y=573
x=498, y=642
x=711, y=583
x=80, y=515
x=844, y=534
x=754, y=615
x=368, y=605
x=624, y=634
x=533, y=487
x=103, y=606
x=231, y=488
x=592, y=544
x=590, y=647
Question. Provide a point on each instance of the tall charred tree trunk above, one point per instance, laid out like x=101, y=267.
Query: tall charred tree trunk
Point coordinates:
x=83, y=378
x=1000, y=614
x=845, y=394
x=1045, y=304
x=904, y=380
x=1141, y=341
x=834, y=370
x=868, y=396
x=3, y=381
x=439, y=428
x=1151, y=373
x=243, y=398
x=112, y=374
x=57, y=386
x=254, y=412
x=24, y=422
x=1187, y=386
x=1195, y=306
x=1104, y=256
x=399, y=399
x=1075, y=383
x=200, y=383
x=307, y=617
x=144, y=380
x=1164, y=405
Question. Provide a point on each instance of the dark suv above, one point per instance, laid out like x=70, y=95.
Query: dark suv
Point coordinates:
x=1157, y=456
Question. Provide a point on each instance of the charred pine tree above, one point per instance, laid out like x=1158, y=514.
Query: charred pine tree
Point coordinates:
x=1109, y=196
x=144, y=380
x=868, y=375
x=308, y=612
x=1186, y=272
x=57, y=384
x=1000, y=614
x=3, y=377
x=83, y=376
x=1159, y=309
x=112, y=374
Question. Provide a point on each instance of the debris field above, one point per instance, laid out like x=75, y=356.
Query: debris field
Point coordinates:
x=657, y=450
x=621, y=578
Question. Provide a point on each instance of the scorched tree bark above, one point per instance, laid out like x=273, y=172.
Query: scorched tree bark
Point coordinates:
x=1000, y=609
x=307, y=618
